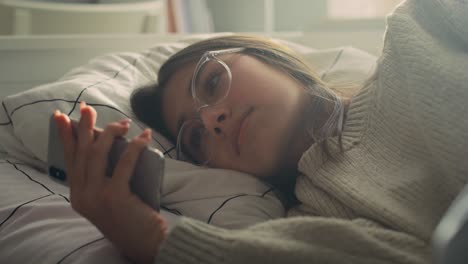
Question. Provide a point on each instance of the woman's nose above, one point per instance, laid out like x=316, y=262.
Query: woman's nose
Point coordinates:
x=214, y=118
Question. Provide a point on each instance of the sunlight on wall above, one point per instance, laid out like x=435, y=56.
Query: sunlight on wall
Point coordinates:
x=358, y=9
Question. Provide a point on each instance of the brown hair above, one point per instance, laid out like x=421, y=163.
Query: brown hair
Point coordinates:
x=146, y=101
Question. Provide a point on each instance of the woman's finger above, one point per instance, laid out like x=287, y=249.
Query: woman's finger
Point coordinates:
x=124, y=169
x=66, y=137
x=85, y=136
x=97, y=164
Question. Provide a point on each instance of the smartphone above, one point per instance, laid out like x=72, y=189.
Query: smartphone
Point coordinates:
x=147, y=178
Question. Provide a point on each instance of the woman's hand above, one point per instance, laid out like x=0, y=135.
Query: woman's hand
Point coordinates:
x=107, y=202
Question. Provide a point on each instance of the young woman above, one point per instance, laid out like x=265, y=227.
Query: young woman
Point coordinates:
x=372, y=175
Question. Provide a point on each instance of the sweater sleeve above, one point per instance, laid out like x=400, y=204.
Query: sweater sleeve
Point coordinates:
x=291, y=240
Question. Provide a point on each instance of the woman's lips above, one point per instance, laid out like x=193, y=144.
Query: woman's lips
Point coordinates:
x=242, y=129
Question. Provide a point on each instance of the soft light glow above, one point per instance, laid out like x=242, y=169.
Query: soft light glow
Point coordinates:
x=358, y=9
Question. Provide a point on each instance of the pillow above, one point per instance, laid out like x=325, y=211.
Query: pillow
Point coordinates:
x=106, y=83
x=346, y=66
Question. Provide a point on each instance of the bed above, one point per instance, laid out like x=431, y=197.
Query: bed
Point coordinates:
x=37, y=224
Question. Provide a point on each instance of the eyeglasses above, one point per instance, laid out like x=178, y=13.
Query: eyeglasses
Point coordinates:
x=210, y=85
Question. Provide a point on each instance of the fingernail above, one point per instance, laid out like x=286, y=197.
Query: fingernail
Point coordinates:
x=146, y=134
x=57, y=113
x=126, y=121
x=143, y=133
x=82, y=105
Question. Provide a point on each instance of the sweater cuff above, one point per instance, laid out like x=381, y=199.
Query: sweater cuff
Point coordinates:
x=192, y=241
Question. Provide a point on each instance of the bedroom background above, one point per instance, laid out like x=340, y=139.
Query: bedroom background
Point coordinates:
x=67, y=33
x=23, y=17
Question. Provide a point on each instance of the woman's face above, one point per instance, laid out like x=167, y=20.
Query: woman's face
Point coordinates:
x=252, y=129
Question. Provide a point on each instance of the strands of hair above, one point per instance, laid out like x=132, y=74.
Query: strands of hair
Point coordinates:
x=334, y=123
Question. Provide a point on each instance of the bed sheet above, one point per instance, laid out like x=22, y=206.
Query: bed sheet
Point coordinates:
x=38, y=225
x=35, y=214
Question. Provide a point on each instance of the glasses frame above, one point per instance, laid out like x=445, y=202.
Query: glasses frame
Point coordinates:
x=206, y=57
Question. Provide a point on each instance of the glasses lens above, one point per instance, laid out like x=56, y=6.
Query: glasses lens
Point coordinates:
x=193, y=141
x=212, y=82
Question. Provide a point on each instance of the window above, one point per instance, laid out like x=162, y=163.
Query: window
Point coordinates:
x=360, y=9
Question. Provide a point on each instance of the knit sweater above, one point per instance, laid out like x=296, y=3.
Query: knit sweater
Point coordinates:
x=405, y=143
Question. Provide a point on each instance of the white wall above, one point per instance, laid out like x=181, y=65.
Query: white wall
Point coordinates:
x=290, y=15
x=82, y=17
x=237, y=16
x=5, y=19
x=248, y=15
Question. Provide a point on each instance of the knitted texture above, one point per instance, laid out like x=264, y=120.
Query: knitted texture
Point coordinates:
x=405, y=145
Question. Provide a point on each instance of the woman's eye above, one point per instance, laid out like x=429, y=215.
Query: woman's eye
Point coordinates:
x=212, y=84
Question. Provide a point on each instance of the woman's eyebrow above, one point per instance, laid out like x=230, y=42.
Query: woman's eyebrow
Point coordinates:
x=183, y=117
